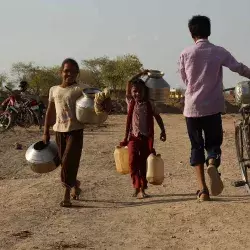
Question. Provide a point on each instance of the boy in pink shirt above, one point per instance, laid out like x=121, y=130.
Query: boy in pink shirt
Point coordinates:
x=201, y=71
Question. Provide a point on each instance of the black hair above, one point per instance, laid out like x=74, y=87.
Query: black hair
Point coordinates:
x=200, y=27
x=23, y=82
x=71, y=61
x=139, y=83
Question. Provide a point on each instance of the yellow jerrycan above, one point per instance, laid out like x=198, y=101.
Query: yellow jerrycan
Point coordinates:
x=155, y=169
x=121, y=160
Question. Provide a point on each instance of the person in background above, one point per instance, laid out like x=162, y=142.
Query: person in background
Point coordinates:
x=69, y=132
x=24, y=93
x=139, y=135
x=201, y=71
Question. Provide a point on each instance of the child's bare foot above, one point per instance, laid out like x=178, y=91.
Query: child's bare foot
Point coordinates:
x=76, y=191
x=137, y=191
x=66, y=201
x=143, y=194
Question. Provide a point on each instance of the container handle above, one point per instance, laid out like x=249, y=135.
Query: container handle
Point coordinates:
x=40, y=145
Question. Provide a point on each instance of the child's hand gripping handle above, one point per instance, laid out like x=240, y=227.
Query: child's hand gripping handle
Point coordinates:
x=163, y=136
x=153, y=151
x=124, y=143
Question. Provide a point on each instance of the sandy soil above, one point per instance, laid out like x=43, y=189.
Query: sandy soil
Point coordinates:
x=107, y=217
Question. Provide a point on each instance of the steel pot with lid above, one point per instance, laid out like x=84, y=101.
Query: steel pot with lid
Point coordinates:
x=87, y=100
x=43, y=158
x=85, y=108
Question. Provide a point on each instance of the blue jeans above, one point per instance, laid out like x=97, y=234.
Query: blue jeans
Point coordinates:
x=211, y=126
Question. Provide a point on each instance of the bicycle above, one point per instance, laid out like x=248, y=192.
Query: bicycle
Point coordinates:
x=242, y=144
x=15, y=113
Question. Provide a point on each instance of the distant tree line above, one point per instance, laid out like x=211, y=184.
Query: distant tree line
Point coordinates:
x=97, y=72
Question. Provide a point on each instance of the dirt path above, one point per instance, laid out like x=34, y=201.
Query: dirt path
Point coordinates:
x=106, y=217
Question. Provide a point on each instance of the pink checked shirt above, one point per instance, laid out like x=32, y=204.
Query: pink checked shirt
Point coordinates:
x=201, y=71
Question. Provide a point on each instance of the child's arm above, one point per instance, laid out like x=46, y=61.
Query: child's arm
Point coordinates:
x=161, y=125
x=50, y=114
x=50, y=117
x=159, y=121
x=128, y=90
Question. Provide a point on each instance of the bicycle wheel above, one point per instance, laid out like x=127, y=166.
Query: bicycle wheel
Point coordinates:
x=30, y=119
x=242, y=150
x=25, y=118
x=5, y=121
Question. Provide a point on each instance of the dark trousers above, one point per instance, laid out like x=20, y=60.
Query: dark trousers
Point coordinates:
x=138, y=148
x=211, y=127
x=70, y=149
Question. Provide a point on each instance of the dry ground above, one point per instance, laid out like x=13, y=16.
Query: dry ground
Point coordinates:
x=107, y=217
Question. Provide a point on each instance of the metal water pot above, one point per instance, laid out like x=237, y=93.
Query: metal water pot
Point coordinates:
x=159, y=89
x=87, y=100
x=43, y=158
x=242, y=93
x=85, y=112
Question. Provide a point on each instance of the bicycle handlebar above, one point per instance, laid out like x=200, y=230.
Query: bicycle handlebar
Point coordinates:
x=8, y=89
x=228, y=89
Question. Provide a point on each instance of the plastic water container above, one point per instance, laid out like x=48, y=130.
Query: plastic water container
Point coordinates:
x=155, y=169
x=121, y=160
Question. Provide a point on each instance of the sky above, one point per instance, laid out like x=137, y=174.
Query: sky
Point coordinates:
x=48, y=31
